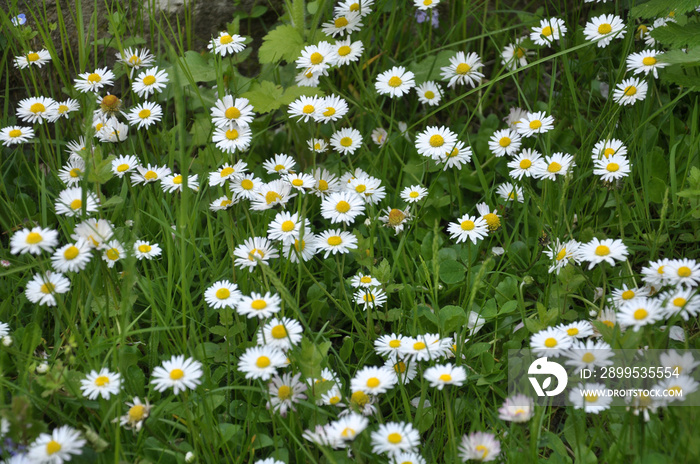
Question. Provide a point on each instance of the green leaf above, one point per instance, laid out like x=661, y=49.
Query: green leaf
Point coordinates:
x=227, y=431
x=690, y=57
x=657, y=189
x=687, y=77
x=429, y=68
x=452, y=318
x=654, y=8
x=678, y=36
x=283, y=43
x=265, y=96
x=309, y=358
x=452, y=272
x=294, y=92
x=201, y=130
x=197, y=66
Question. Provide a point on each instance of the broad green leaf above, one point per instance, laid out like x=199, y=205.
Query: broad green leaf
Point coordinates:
x=452, y=318
x=283, y=43
x=654, y=8
x=264, y=96
x=452, y=272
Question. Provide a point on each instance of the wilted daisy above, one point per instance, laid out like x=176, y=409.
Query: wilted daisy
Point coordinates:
x=231, y=140
x=346, y=51
x=413, y=194
x=56, y=448
x=434, y=141
x=429, y=93
x=13, y=135
x=229, y=113
x=38, y=59
x=113, y=252
x=133, y=58
x=440, y=375
x=603, y=29
x=342, y=207
x=44, y=286
x=33, y=241
x=463, y=69
x=640, y=312
x=146, y=250
x=343, y=24
x=73, y=257
x=177, y=373
x=150, y=81
x=535, y=123
x=515, y=55
x=35, y=110
x=548, y=31
x=611, y=168
x=317, y=145
x=285, y=391
x=145, y=114
x=254, y=251
x=586, y=396
x=645, y=62
x=373, y=380
x=517, y=408
x=227, y=44
x=104, y=383
x=395, y=82
x=137, y=413
x=587, y=354
x=271, y=194
x=468, y=227
x=94, y=81
x=395, y=437
x=174, y=183
x=396, y=219
x=551, y=341
x=596, y=251
x=331, y=108
x=561, y=254
x=681, y=301
x=630, y=91
x=336, y=241
x=95, y=231
x=510, y=192
x=261, y=362
x=259, y=305
x=369, y=298
x=316, y=58
x=504, y=142
x=556, y=164
x=149, y=174
x=480, y=446
x=526, y=163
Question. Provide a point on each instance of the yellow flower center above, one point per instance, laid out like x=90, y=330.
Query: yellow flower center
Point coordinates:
x=429, y=94
x=547, y=31
x=62, y=109
x=232, y=113
x=287, y=226
x=279, y=332
x=660, y=270
x=251, y=255
x=572, y=332
x=322, y=185
x=262, y=362
x=396, y=217
x=536, y=124
x=76, y=204
x=554, y=167
x=561, y=254
x=101, y=381
x=395, y=343
x=227, y=171
x=247, y=184
x=150, y=175
x=94, y=78
x=608, y=151
x=394, y=438
x=462, y=68
x=419, y=346
x=591, y=398
x=47, y=288
x=640, y=314
x=400, y=367
x=271, y=197
x=359, y=398
x=504, y=142
x=75, y=172
x=604, y=28
x=436, y=140
x=344, y=50
x=368, y=298
x=334, y=240
x=144, y=113
x=551, y=342
x=680, y=302
x=225, y=39
x=122, y=167
x=588, y=358
x=134, y=60
x=427, y=2
x=394, y=81
x=316, y=58
x=467, y=225
x=31, y=57
x=610, y=324
x=519, y=52
x=71, y=252
x=355, y=7
x=330, y=111
x=627, y=295
x=526, y=163
x=334, y=400
x=37, y=108
x=348, y=432
x=53, y=447
x=492, y=220
x=612, y=167
x=232, y=134
x=279, y=167
x=308, y=109
x=346, y=141
x=602, y=250
x=373, y=382
x=258, y=305
x=360, y=188
x=136, y=412
x=446, y=377
x=649, y=61
x=14, y=133
x=342, y=206
x=483, y=450
x=149, y=80
x=630, y=90
x=413, y=194
x=177, y=179
x=225, y=203
x=684, y=271
x=297, y=182
x=113, y=254
x=284, y=392
x=223, y=293
x=341, y=22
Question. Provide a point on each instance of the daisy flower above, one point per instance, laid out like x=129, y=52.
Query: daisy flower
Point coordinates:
x=404, y=369
x=588, y=354
x=639, y=312
x=114, y=131
x=426, y=347
x=363, y=7
x=434, y=141
x=336, y=241
x=229, y=113
x=305, y=248
x=223, y=203
x=271, y=194
x=561, y=254
x=146, y=250
x=113, y=252
x=548, y=31
x=246, y=186
x=681, y=386
x=346, y=51
x=517, y=408
x=317, y=145
x=150, y=81
x=684, y=364
x=326, y=183
x=56, y=448
x=584, y=397
x=493, y=221
x=429, y=93
x=395, y=82
x=440, y=375
x=515, y=115
x=682, y=301
x=630, y=91
x=72, y=172
x=13, y=135
x=364, y=281
x=282, y=334
x=254, y=251
x=316, y=58
x=145, y=114
x=413, y=194
x=468, y=227
x=307, y=79
x=656, y=275
x=261, y=362
x=133, y=58
x=305, y=107
x=510, y=192
x=33, y=241
x=259, y=305
x=137, y=413
x=577, y=329
x=480, y=446
x=603, y=29
x=685, y=272
x=285, y=227
x=611, y=168
x=342, y=207
x=527, y=163
x=373, y=380
x=424, y=5
x=463, y=69
x=226, y=172
x=556, y=164
x=63, y=109
x=535, y=123
x=456, y=156
x=395, y=437
x=179, y=373
x=645, y=62
x=396, y=219
x=227, y=44
x=551, y=342
x=279, y=164
x=389, y=346
x=330, y=108
x=38, y=59
x=35, y=110
x=43, y=288
x=284, y=392
x=346, y=428
x=123, y=164
x=104, y=383
x=370, y=298
x=596, y=251
x=73, y=257
x=94, y=81
x=300, y=181
x=95, y=231
x=515, y=55
x=149, y=174
x=505, y=142
x=174, y=183
x=343, y=24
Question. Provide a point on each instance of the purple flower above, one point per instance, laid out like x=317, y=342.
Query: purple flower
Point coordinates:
x=422, y=16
